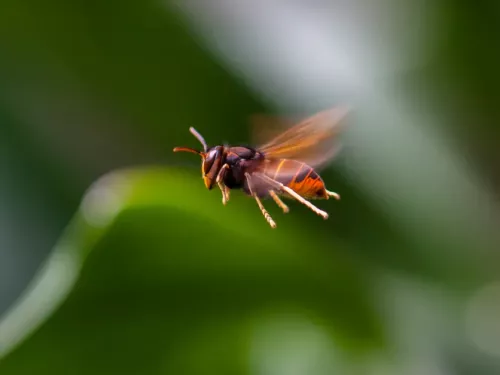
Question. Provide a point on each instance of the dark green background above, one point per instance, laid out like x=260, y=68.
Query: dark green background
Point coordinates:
x=176, y=283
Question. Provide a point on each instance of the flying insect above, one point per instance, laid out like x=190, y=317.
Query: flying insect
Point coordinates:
x=282, y=166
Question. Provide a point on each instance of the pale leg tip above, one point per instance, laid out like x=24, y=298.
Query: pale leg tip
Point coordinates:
x=333, y=194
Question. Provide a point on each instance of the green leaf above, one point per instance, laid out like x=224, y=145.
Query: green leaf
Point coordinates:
x=154, y=274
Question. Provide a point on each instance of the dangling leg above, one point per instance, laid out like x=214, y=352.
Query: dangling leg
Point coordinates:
x=223, y=188
x=278, y=201
x=333, y=194
x=286, y=189
x=257, y=199
x=227, y=190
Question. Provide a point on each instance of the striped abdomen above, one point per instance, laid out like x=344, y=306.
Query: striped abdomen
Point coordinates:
x=298, y=176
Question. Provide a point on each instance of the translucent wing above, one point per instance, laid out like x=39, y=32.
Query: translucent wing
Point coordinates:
x=312, y=141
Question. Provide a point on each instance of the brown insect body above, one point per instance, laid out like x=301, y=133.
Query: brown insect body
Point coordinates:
x=305, y=182
x=266, y=171
x=240, y=159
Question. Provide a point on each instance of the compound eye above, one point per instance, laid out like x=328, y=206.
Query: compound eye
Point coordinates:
x=209, y=161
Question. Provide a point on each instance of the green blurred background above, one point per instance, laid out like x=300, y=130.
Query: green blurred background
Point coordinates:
x=115, y=259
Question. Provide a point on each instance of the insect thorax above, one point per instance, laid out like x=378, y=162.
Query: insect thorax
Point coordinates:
x=240, y=159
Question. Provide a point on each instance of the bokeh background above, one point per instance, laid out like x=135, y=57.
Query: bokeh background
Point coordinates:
x=115, y=259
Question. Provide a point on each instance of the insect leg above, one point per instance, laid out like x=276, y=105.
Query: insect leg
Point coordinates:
x=333, y=194
x=293, y=194
x=225, y=192
x=278, y=201
x=261, y=206
x=223, y=188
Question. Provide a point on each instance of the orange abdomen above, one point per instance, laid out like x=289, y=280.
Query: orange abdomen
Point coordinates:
x=298, y=176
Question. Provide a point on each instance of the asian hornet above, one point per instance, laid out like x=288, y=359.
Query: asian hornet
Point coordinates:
x=283, y=166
